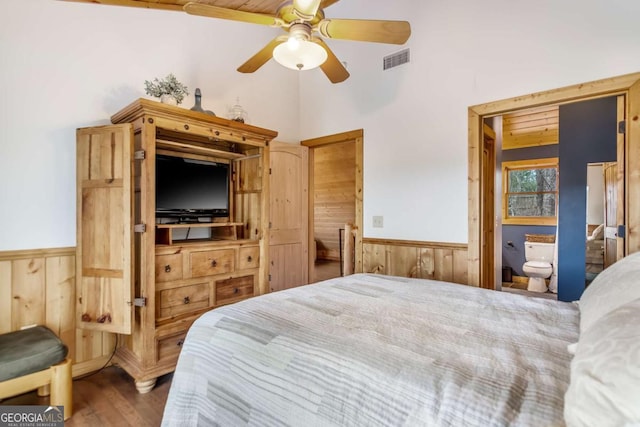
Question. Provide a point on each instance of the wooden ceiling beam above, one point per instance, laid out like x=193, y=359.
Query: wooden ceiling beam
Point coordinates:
x=257, y=6
x=134, y=3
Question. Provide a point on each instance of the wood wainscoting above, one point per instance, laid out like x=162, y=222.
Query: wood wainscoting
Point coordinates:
x=406, y=258
x=38, y=287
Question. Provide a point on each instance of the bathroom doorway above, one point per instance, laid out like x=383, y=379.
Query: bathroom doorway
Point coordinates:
x=616, y=242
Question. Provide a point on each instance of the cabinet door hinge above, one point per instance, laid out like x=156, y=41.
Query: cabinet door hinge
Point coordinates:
x=139, y=155
x=622, y=126
x=269, y=277
x=140, y=228
x=269, y=171
x=140, y=302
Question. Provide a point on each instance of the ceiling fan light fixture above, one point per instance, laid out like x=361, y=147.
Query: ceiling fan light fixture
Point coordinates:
x=306, y=56
x=299, y=52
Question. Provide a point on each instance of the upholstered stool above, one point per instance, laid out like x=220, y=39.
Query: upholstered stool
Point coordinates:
x=36, y=358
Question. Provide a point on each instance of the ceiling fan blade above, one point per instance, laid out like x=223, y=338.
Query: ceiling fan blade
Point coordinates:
x=332, y=67
x=393, y=32
x=201, y=9
x=260, y=58
x=306, y=9
x=326, y=3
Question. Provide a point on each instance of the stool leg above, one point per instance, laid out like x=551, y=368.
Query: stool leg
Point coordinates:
x=62, y=387
x=45, y=390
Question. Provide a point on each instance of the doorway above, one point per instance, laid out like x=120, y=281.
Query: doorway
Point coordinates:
x=540, y=145
x=628, y=156
x=597, y=175
x=335, y=199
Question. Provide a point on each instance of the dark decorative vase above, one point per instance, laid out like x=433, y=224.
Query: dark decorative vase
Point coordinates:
x=198, y=105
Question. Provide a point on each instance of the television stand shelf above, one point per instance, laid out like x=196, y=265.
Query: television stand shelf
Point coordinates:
x=219, y=230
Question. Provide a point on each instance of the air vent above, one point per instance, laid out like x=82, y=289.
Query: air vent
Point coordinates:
x=395, y=59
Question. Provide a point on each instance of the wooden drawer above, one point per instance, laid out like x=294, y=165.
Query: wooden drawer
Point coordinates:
x=168, y=267
x=183, y=299
x=169, y=347
x=210, y=263
x=249, y=258
x=233, y=290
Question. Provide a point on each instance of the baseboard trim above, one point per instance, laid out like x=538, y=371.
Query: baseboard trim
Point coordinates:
x=36, y=253
x=89, y=366
x=415, y=243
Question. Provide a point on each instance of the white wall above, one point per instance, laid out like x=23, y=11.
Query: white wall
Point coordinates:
x=595, y=194
x=463, y=53
x=68, y=65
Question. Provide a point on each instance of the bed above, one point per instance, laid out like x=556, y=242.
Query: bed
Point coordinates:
x=374, y=350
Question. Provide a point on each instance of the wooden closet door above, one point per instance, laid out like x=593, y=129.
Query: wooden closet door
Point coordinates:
x=288, y=216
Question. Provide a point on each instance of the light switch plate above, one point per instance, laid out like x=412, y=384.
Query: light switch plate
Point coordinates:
x=378, y=221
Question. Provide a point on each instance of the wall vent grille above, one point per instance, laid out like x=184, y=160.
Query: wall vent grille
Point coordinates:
x=395, y=59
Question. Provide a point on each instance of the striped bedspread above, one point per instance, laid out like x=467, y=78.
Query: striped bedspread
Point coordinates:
x=372, y=350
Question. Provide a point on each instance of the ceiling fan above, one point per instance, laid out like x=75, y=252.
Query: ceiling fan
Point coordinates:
x=301, y=49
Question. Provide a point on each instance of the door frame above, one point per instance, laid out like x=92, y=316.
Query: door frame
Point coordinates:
x=358, y=137
x=628, y=85
x=489, y=189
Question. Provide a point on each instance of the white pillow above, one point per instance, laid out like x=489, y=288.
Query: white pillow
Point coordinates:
x=605, y=372
x=617, y=285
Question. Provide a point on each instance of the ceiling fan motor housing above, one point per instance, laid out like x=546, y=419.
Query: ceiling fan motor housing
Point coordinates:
x=290, y=15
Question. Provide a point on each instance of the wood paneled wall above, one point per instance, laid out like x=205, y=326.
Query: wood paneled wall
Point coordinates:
x=39, y=287
x=530, y=128
x=427, y=260
x=334, y=183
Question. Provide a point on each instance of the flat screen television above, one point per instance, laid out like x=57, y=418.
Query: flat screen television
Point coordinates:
x=188, y=189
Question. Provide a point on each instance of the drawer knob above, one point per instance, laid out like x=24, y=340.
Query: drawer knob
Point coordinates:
x=236, y=290
x=167, y=268
x=214, y=263
x=186, y=300
x=180, y=342
x=249, y=258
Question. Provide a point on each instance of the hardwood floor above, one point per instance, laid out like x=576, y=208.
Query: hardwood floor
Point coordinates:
x=509, y=287
x=109, y=398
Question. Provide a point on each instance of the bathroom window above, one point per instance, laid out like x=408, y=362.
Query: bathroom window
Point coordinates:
x=530, y=192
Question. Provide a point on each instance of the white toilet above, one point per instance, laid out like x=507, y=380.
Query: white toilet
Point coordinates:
x=539, y=257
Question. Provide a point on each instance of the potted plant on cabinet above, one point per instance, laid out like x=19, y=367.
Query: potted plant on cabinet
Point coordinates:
x=169, y=90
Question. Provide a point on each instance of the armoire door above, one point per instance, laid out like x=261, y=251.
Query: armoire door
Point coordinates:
x=288, y=216
x=104, y=267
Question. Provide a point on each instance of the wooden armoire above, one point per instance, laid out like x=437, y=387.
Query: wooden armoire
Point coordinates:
x=143, y=279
